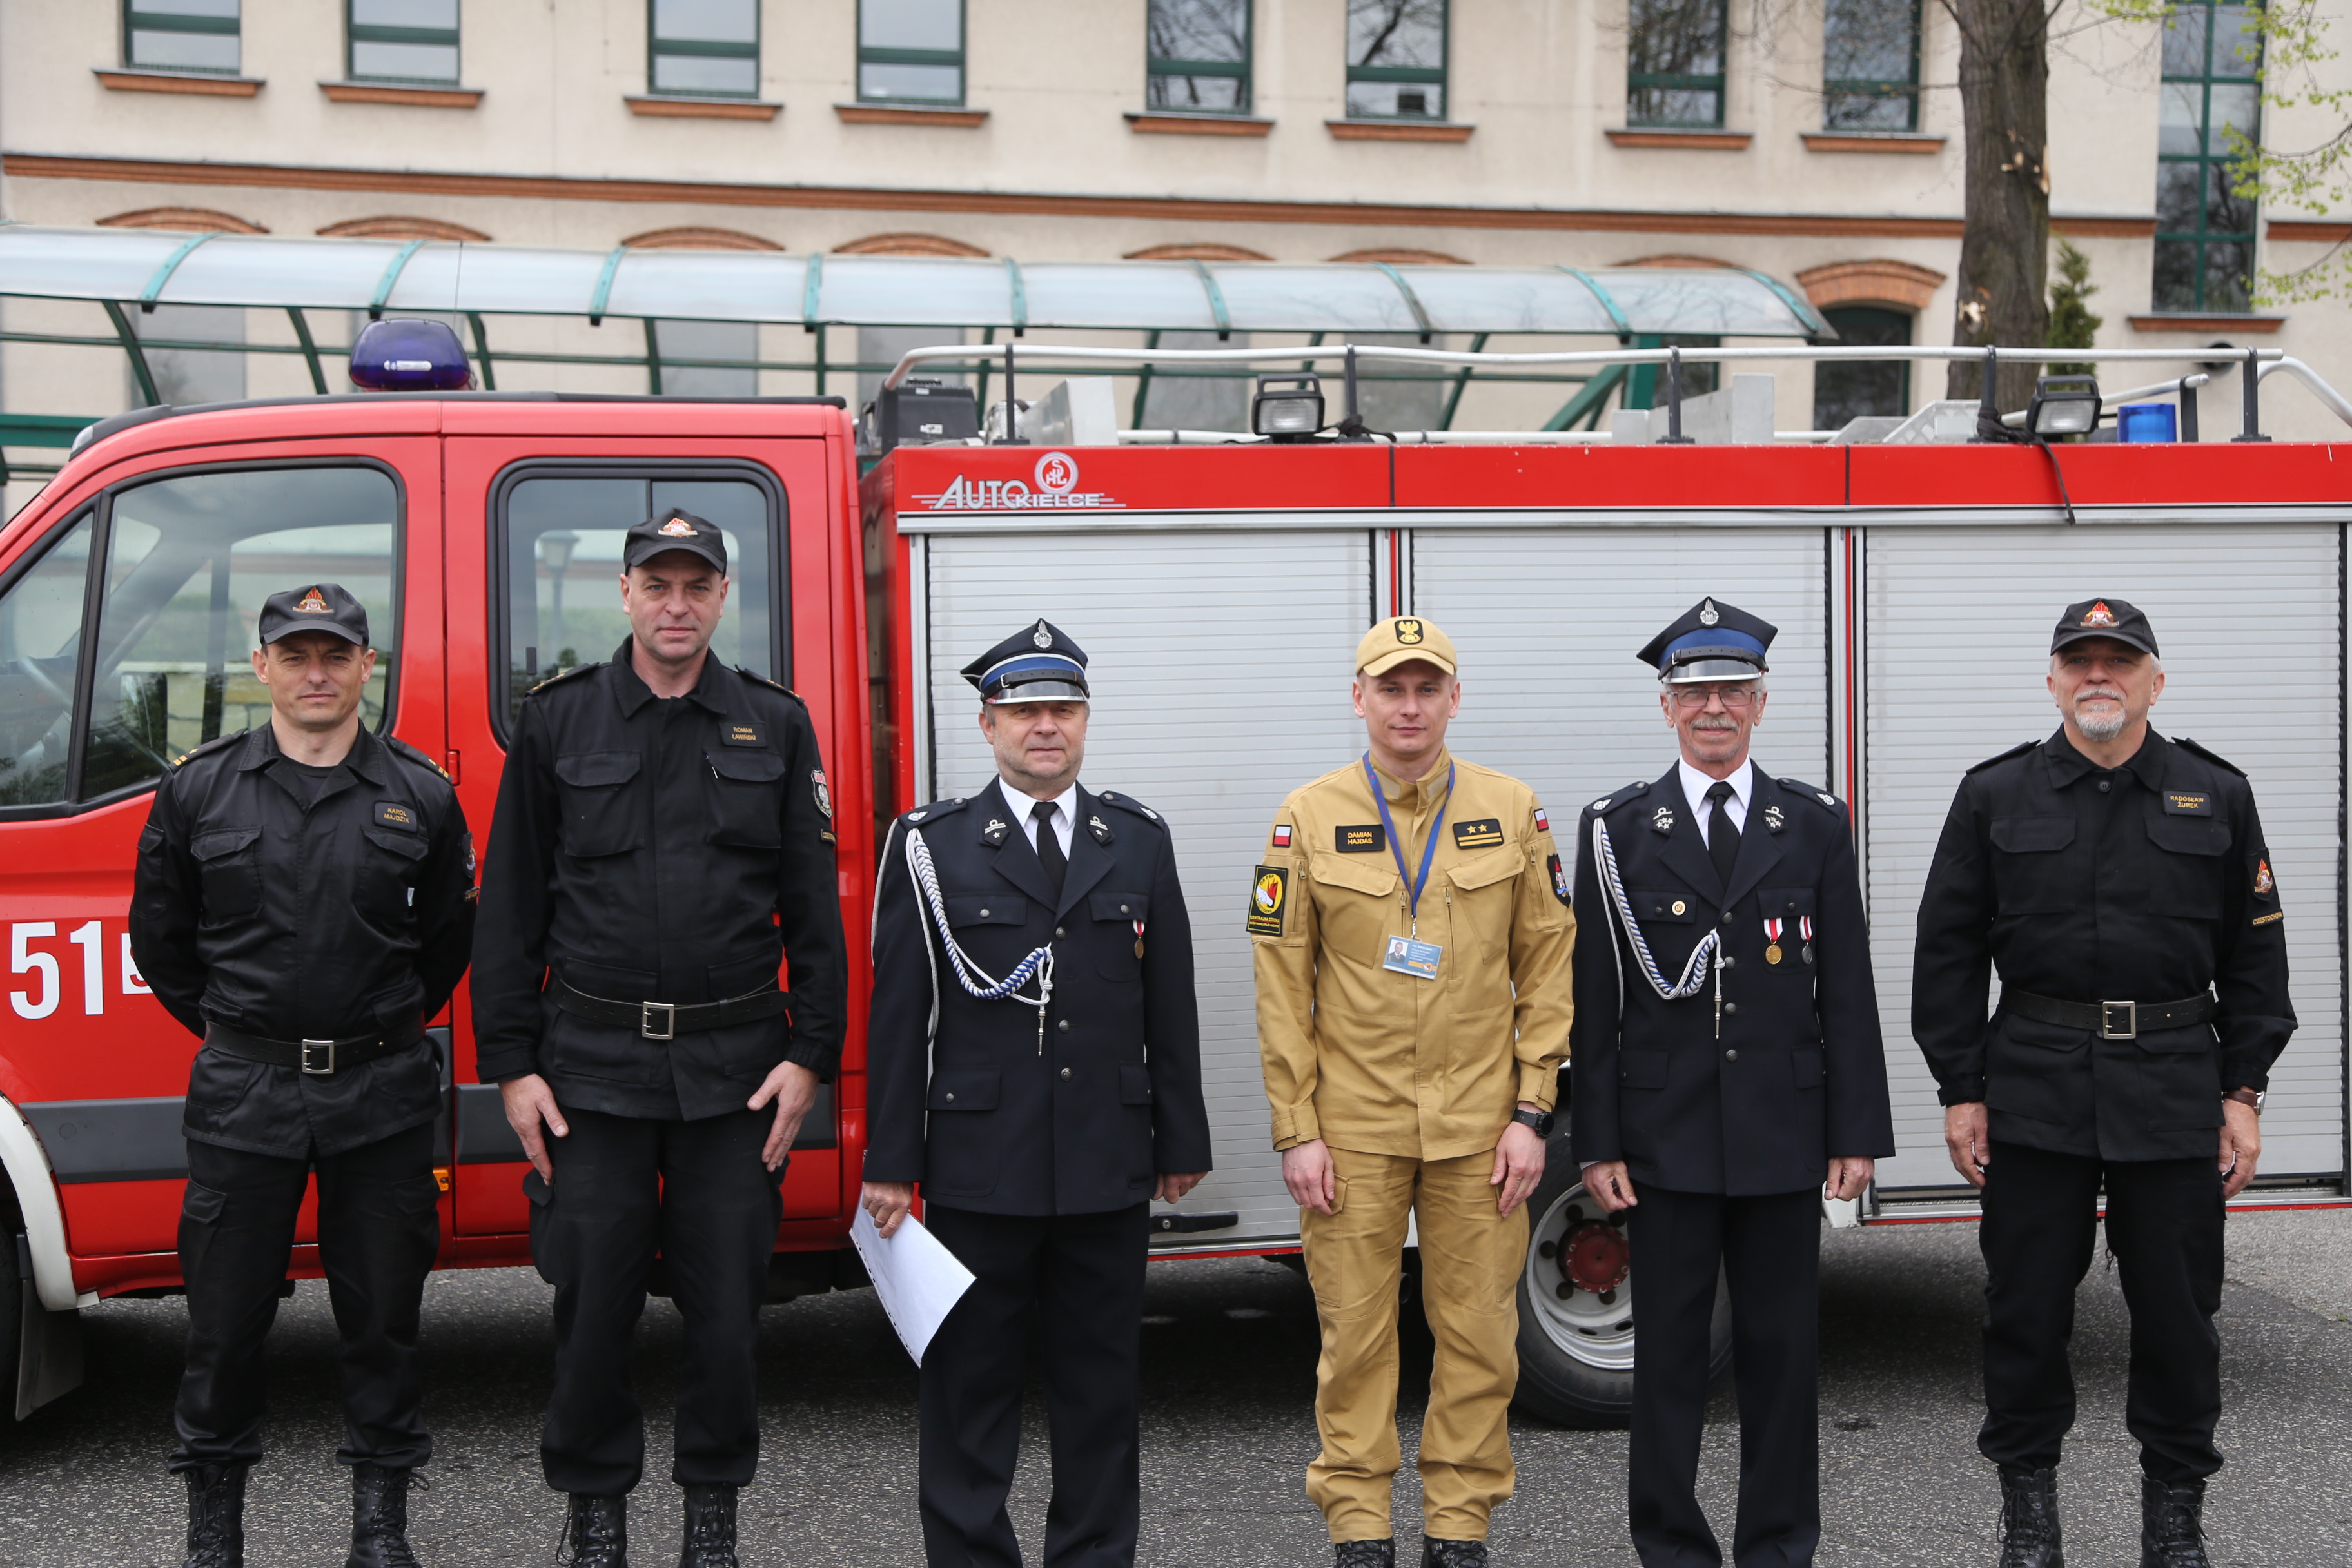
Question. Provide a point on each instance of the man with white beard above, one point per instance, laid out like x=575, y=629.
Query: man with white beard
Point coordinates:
x=2121, y=885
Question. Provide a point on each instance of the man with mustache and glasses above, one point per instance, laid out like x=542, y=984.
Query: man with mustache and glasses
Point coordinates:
x=1728, y=1071
x=2120, y=884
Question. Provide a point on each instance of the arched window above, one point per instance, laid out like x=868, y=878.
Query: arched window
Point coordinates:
x=907, y=245
x=398, y=225
x=1396, y=256
x=199, y=220
x=698, y=238
x=1198, y=251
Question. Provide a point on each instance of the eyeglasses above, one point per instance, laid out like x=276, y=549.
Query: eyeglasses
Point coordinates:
x=1732, y=697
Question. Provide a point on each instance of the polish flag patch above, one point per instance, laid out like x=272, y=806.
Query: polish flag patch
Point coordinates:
x=1543, y=822
x=1282, y=835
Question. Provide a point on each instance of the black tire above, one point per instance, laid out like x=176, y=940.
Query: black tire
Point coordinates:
x=1576, y=1344
x=12, y=1303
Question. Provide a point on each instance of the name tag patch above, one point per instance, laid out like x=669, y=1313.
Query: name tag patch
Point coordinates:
x=1369, y=839
x=733, y=734
x=1269, y=897
x=392, y=814
x=1484, y=832
x=2176, y=803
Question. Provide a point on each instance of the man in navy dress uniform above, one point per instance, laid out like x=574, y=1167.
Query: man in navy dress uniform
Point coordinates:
x=1034, y=1061
x=1728, y=1071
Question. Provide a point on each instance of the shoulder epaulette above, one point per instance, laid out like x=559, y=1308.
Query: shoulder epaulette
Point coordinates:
x=1608, y=803
x=401, y=748
x=560, y=677
x=2017, y=750
x=936, y=809
x=1128, y=803
x=2188, y=745
x=1819, y=797
x=777, y=685
x=214, y=744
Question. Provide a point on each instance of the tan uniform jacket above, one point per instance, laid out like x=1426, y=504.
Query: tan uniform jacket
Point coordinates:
x=1386, y=1063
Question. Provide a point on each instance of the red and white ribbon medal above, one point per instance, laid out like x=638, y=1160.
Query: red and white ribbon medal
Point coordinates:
x=1772, y=929
x=1138, y=939
x=1805, y=930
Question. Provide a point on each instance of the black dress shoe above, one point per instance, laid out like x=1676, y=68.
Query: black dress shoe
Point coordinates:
x=216, y=1516
x=2171, y=1524
x=1437, y=1553
x=709, y=1529
x=596, y=1536
x=379, y=1519
x=2029, y=1537
x=1380, y=1553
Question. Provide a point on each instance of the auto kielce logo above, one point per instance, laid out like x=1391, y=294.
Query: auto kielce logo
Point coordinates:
x=1056, y=490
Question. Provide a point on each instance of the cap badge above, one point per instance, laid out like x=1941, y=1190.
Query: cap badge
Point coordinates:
x=678, y=528
x=1662, y=819
x=2264, y=881
x=313, y=603
x=1408, y=631
x=1041, y=636
x=1707, y=614
x=2099, y=615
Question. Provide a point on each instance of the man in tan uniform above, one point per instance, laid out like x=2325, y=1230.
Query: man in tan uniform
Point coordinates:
x=1410, y=933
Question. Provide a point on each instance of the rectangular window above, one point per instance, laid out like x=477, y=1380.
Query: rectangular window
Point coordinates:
x=1197, y=56
x=716, y=358
x=709, y=48
x=1396, y=60
x=1845, y=390
x=403, y=40
x=1675, y=62
x=1870, y=64
x=910, y=51
x=40, y=662
x=2204, y=230
x=181, y=35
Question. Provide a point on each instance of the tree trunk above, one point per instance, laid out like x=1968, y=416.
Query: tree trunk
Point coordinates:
x=2003, y=296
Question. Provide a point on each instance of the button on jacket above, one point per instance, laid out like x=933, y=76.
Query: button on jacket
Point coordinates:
x=1380, y=1062
x=982, y=1112
x=1797, y=1075
x=658, y=849
x=2149, y=882
x=345, y=917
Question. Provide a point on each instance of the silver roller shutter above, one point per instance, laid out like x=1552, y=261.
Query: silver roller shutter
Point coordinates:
x=2249, y=618
x=1218, y=662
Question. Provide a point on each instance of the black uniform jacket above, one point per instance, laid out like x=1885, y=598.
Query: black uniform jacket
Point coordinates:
x=978, y=1112
x=347, y=918
x=658, y=849
x=1797, y=1073
x=2148, y=883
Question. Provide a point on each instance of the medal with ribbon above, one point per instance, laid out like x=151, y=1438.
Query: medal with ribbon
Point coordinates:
x=1772, y=929
x=1408, y=954
x=1805, y=930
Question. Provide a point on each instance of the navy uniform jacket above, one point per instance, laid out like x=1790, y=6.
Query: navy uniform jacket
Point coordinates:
x=978, y=1114
x=2148, y=883
x=1799, y=1074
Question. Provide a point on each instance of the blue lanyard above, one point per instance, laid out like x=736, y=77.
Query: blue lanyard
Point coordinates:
x=1396, y=849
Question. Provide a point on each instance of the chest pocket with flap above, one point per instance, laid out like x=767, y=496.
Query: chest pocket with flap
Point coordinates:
x=747, y=808
x=228, y=864
x=1113, y=935
x=2184, y=879
x=2032, y=872
x=599, y=814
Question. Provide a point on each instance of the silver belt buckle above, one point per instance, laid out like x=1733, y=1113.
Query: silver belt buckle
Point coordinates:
x=2127, y=1011
x=326, y=1046
x=669, y=1011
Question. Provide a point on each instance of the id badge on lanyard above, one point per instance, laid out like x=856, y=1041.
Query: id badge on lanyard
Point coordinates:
x=1410, y=954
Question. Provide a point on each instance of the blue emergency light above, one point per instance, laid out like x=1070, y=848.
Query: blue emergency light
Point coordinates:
x=406, y=354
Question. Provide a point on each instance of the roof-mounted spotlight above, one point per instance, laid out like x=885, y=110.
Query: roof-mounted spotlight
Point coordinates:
x=406, y=354
x=1288, y=408
x=2064, y=405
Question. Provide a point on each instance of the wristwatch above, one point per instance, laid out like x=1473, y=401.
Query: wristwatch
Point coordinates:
x=2253, y=1096
x=1538, y=1120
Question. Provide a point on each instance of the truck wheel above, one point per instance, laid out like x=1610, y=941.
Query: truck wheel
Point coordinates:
x=1576, y=1306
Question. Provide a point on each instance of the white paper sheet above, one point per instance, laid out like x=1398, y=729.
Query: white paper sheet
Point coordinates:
x=918, y=1280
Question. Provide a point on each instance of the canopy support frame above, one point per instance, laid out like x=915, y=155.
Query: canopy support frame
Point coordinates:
x=309, y=349
x=129, y=341
x=392, y=272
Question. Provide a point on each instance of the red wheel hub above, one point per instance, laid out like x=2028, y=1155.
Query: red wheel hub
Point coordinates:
x=1594, y=1256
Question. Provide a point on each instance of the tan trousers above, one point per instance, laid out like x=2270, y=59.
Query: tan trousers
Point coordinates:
x=1470, y=1261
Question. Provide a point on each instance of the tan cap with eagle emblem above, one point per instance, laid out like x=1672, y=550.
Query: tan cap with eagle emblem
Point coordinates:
x=1400, y=638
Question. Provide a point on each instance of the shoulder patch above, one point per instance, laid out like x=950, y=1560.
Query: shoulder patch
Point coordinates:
x=576, y=671
x=214, y=744
x=1819, y=797
x=774, y=685
x=402, y=749
x=2188, y=745
x=2017, y=750
x=933, y=812
x=1609, y=803
x=1128, y=803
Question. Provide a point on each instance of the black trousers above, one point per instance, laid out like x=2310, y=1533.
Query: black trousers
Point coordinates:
x=625, y=1189
x=2164, y=1227
x=1769, y=1251
x=1078, y=1279
x=378, y=1227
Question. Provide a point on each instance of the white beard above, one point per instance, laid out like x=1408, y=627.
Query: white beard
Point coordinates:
x=2102, y=730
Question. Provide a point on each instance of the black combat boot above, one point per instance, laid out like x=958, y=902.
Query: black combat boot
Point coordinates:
x=709, y=1529
x=1380, y=1553
x=379, y=1519
x=1437, y=1553
x=2172, y=1524
x=2029, y=1519
x=216, y=1516
x=596, y=1536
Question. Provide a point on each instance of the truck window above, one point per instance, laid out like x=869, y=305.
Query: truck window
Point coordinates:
x=561, y=531
x=40, y=647
x=189, y=560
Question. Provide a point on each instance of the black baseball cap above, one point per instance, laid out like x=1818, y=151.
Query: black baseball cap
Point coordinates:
x=318, y=608
x=676, y=529
x=2104, y=619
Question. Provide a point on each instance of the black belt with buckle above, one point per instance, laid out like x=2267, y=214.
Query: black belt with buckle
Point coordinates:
x=320, y=1059
x=2111, y=1020
x=668, y=1020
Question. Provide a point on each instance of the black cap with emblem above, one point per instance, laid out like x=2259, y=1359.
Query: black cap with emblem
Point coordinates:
x=316, y=607
x=676, y=528
x=2114, y=618
x=1712, y=641
x=1039, y=663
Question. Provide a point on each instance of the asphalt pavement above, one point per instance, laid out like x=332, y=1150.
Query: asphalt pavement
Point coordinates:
x=1229, y=1368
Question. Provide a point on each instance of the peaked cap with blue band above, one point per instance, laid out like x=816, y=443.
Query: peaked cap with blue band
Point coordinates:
x=1712, y=641
x=1036, y=664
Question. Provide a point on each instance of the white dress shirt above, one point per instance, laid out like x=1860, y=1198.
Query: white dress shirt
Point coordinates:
x=1066, y=806
x=1694, y=788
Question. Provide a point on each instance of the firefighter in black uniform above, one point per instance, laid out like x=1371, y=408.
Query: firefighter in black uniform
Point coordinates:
x=664, y=838
x=304, y=903
x=1729, y=1069
x=1041, y=1122
x=2120, y=884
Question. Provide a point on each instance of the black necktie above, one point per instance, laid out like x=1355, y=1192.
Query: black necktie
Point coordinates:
x=1722, y=838
x=1049, y=844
